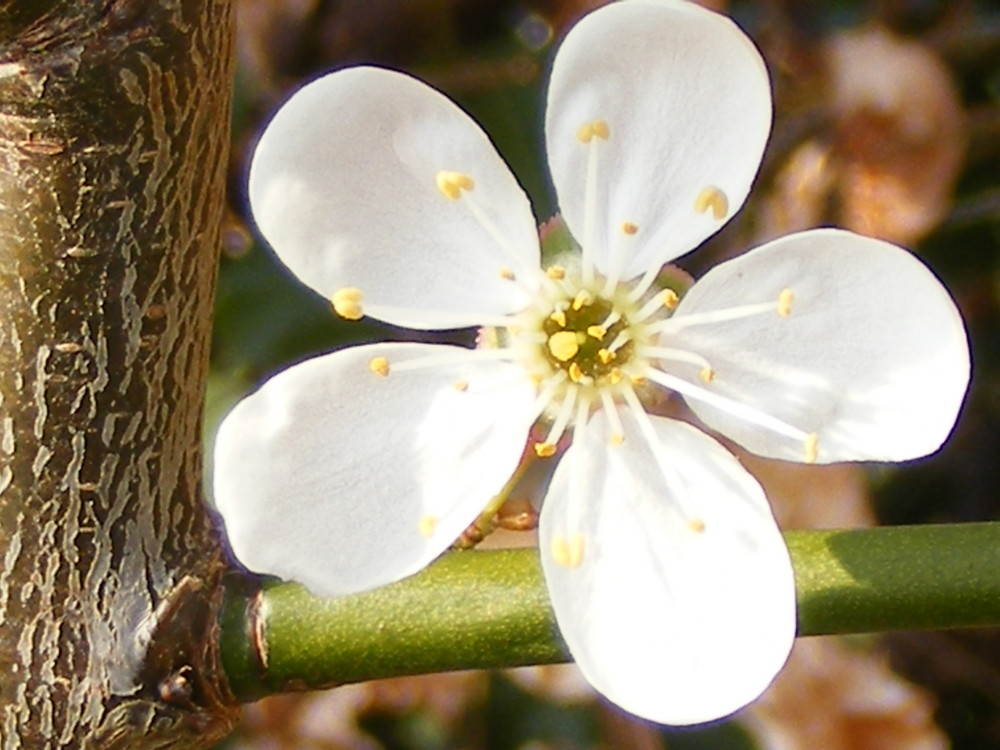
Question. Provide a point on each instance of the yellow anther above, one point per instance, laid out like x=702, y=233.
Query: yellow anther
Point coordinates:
x=559, y=316
x=707, y=374
x=428, y=524
x=605, y=356
x=629, y=228
x=597, y=332
x=506, y=273
x=461, y=385
x=615, y=376
x=575, y=373
x=697, y=525
x=670, y=299
x=582, y=298
x=637, y=379
x=812, y=447
x=347, y=303
x=712, y=198
x=453, y=183
x=563, y=345
x=544, y=450
x=380, y=366
x=616, y=438
x=785, y=300
x=556, y=273
x=586, y=132
x=567, y=552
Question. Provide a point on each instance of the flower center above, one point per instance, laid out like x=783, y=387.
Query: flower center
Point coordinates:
x=579, y=333
x=589, y=338
x=583, y=342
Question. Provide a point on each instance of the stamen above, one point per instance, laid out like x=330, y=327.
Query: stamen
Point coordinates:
x=617, y=436
x=582, y=411
x=583, y=297
x=451, y=184
x=564, y=416
x=559, y=316
x=812, y=447
x=707, y=374
x=666, y=299
x=605, y=356
x=435, y=320
x=447, y=357
x=544, y=398
x=785, y=300
x=620, y=249
x=564, y=345
x=620, y=340
x=712, y=197
x=644, y=283
x=677, y=322
x=675, y=483
x=347, y=303
x=506, y=273
x=379, y=366
x=728, y=405
x=545, y=450
x=556, y=273
x=597, y=332
x=586, y=132
x=613, y=317
x=461, y=385
x=428, y=524
x=674, y=355
x=576, y=373
x=568, y=552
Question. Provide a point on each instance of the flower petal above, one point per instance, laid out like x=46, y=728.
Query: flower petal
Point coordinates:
x=675, y=622
x=687, y=103
x=344, y=185
x=873, y=357
x=344, y=480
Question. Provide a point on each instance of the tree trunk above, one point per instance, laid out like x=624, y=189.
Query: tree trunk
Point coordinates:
x=114, y=122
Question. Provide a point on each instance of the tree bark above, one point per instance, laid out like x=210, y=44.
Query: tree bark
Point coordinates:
x=114, y=120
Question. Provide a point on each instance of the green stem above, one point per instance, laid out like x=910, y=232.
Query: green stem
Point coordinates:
x=479, y=609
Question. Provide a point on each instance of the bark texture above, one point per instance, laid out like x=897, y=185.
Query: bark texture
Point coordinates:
x=114, y=120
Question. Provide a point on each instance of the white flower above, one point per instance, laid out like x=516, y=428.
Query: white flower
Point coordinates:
x=669, y=578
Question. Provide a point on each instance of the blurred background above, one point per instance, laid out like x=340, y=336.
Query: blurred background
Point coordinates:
x=887, y=122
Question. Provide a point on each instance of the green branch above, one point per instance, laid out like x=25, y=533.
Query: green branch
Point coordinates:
x=480, y=609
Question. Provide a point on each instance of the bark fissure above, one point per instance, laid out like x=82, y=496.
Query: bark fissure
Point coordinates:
x=113, y=138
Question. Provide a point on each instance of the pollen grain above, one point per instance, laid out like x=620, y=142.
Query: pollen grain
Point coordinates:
x=712, y=198
x=347, y=303
x=451, y=184
x=785, y=300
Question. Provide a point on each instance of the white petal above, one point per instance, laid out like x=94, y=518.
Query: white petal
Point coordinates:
x=873, y=357
x=687, y=102
x=676, y=625
x=344, y=186
x=344, y=480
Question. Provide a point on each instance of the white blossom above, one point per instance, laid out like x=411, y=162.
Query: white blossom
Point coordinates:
x=669, y=578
